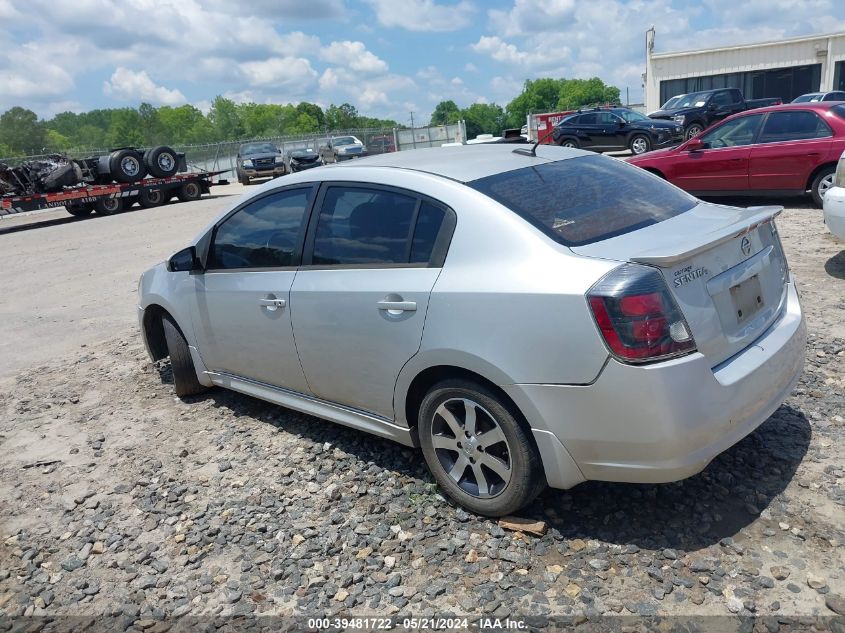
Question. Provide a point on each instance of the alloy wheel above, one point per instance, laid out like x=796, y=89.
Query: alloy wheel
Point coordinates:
x=471, y=447
x=825, y=184
x=640, y=145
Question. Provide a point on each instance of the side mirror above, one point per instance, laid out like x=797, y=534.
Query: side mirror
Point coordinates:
x=695, y=145
x=620, y=123
x=184, y=261
x=712, y=106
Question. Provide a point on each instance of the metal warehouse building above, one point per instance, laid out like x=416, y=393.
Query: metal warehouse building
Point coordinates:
x=785, y=68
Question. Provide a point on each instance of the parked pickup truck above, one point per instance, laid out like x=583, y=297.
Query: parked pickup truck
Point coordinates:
x=699, y=110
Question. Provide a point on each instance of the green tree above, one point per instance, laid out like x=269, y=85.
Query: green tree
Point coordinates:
x=151, y=127
x=57, y=142
x=225, y=118
x=312, y=110
x=125, y=129
x=538, y=95
x=183, y=124
x=22, y=132
x=483, y=118
x=445, y=112
x=342, y=117
x=575, y=93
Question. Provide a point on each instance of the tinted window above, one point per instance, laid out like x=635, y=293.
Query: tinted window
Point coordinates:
x=793, y=126
x=429, y=221
x=722, y=98
x=734, y=133
x=570, y=120
x=263, y=234
x=587, y=119
x=363, y=226
x=570, y=200
x=834, y=96
x=607, y=118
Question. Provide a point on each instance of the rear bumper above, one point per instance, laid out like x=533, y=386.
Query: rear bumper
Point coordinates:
x=834, y=211
x=667, y=421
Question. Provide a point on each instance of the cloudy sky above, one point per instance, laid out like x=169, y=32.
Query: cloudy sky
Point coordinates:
x=386, y=57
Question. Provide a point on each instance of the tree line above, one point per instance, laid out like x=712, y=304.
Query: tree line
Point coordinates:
x=538, y=95
x=23, y=133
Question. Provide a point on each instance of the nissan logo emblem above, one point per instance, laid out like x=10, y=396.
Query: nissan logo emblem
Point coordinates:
x=745, y=246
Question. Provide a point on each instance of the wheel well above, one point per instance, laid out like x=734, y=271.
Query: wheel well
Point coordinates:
x=154, y=331
x=816, y=173
x=656, y=172
x=426, y=379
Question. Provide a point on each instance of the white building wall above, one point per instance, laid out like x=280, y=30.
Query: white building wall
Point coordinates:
x=824, y=49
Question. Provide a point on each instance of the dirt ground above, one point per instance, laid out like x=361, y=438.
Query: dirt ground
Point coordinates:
x=118, y=499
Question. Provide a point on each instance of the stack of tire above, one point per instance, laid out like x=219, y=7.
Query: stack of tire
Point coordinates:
x=128, y=165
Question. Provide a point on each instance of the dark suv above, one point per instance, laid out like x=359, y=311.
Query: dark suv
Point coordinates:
x=616, y=129
x=259, y=160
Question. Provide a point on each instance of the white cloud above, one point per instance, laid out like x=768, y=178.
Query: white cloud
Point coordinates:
x=354, y=55
x=423, y=15
x=128, y=85
x=470, y=67
x=280, y=72
x=552, y=53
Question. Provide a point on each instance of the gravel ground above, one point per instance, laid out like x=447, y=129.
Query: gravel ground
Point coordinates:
x=118, y=499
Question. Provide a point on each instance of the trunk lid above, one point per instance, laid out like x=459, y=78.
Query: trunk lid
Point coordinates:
x=724, y=266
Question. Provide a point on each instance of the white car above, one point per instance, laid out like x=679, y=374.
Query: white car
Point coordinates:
x=834, y=202
x=505, y=310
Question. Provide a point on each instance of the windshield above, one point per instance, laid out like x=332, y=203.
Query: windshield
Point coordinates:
x=807, y=98
x=696, y=99
x=345, y=140
x=569, y=200
x=258, y=148
x=671, y=102
x=630, y=116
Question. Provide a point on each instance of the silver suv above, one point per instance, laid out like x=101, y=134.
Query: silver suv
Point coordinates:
x=523, y=319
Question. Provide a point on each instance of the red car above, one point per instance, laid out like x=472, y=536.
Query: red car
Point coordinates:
x=780, y=151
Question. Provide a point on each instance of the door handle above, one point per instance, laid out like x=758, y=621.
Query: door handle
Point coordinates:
x=272, y=304
x=398, y=306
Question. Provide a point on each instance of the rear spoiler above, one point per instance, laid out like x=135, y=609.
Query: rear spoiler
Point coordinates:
x=748, y=220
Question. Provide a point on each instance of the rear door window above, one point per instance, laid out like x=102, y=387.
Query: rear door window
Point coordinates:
x=359, y=225
x=794, y=125
x=587, y=199
x=588, y=119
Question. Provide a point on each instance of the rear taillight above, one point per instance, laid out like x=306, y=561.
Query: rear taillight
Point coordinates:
x=637, y=317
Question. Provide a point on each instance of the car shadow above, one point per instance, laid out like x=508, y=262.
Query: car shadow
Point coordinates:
x=835, y=266
x=686, y=515
x=692, y=513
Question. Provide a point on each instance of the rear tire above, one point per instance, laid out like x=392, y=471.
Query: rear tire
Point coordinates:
x=821, y=183
x=492, y=477
x=126, y=166
x=570, y=143
x=161, y=162
x=640, y=144
x=148, y=198
x=185, y=381
x=80, y=210
x=108, y=206
x=189, y=191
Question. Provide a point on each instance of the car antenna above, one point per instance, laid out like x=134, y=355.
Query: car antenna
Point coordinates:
x=533, y=150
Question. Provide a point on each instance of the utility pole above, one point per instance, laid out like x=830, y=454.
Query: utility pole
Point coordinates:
x=413, y=133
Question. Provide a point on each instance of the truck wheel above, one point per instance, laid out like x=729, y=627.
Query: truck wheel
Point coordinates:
x=126, y=165
x=108, y=206
x=150, y=198
x=161, y=162
x=640, y=144
x=185, y=381
x=821, y=183
x=79, y=210
x=189, y=191
x=693, y=129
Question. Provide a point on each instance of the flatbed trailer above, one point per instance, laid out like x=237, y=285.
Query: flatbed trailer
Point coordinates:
x=111, y=198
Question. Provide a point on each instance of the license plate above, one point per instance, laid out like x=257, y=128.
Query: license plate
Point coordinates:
x=747, y=298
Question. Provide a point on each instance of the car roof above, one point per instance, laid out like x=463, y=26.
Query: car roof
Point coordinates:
x=464, y=163
x=807, y=105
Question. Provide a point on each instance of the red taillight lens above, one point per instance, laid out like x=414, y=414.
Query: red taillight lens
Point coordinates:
x=638, y=318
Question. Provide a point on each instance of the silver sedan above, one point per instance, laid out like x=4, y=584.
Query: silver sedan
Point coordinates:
x=526, y=319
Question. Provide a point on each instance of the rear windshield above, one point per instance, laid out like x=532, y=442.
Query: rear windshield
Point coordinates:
x=583, y=200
